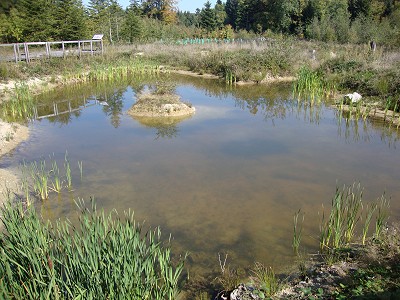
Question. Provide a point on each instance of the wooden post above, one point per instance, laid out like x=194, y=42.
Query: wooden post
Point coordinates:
x=63, y=49
x=101, y=43
x=48, y=49
x=79, y=48
x=26, y=50
x=15, y=53
x=91, y=47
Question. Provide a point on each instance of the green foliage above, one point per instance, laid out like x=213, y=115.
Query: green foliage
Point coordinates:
x=208, y=18
x=338, y=229
x=106, y=257
x=266, y=279
x=20, y=107
x=311, y=86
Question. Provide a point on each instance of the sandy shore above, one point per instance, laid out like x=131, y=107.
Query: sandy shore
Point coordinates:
x=11, y=135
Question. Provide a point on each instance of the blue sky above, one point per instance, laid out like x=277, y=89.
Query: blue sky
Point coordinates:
x=183, y=5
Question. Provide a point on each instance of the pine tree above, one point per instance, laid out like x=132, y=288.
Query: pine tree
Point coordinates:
x=132, y=26
x=38, y=19
x=220, y=14
x=207, y=18
x=70, y=20
x=231, y=8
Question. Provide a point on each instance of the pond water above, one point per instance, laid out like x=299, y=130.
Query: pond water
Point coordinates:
x=228, y=179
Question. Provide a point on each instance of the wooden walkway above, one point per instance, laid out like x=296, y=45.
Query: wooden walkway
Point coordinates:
x=39, y=50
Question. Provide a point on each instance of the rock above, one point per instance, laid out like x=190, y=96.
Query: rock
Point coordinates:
x=168, y=108
x=243, y=293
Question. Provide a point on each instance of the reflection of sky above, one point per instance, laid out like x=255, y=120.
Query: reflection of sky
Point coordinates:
x=228, y=176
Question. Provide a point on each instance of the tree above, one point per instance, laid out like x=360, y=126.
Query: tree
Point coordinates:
x=207, y=18
x=231, y=8
x=12, y=27
x=359, y=8
x=70, y=20
x=168, y=11
x=105, y=17
x=132, y=26
x=220, y=14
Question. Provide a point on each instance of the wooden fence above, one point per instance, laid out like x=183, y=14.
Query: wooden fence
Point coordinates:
x=39, y=50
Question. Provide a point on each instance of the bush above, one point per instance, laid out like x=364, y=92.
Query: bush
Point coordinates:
x=106, y=257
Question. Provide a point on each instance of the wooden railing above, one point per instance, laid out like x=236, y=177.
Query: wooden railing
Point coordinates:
x=39, y=50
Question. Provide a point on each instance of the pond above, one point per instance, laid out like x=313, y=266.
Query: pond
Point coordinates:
x=227, y=180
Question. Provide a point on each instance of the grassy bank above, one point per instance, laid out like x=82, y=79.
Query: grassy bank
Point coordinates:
x=349, y=68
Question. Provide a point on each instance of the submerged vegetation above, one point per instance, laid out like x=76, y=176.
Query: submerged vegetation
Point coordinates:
x=39, y=178
x=105, y=257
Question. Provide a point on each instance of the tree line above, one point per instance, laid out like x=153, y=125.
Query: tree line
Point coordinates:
x=342, y=21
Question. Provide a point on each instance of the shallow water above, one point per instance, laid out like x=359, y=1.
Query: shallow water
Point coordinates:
x=226, y=180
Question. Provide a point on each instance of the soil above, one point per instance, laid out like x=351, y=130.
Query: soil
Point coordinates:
x=11, y=135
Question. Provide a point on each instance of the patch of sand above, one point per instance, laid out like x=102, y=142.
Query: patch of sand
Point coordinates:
x=11, y=135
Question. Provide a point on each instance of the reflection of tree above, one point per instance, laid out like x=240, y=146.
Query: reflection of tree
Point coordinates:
x=167, y=131
x=115, y=104
x=167, y=127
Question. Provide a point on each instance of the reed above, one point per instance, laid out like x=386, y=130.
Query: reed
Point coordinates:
x=338, y=230
x=39, y=178
x=56, y=181
x=382, y=215
x=105, y=257
x=20, y=106
x=371, y=208
x=297, y=231
x=266, y=279
x=311, y=86
x=68, y=171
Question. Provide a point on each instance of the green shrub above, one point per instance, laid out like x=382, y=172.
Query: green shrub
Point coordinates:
x=106, y=257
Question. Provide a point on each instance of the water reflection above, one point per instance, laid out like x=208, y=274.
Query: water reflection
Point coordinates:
x=166, y=127
x=354, y=129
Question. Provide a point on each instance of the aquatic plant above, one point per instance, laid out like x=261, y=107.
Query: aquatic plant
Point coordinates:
x=40, y=179
x=297, y=231
x=68, y=171
x=382, y=215
x=309, y=86
x=105, y=257
x=56, y=181
x=338, y=229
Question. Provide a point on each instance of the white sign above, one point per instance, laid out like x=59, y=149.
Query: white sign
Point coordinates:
x=97, y=37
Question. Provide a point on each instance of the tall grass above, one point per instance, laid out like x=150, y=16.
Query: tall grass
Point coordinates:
x=105, y=257
x=311, y=86
x=20, y=106
x=338, y=229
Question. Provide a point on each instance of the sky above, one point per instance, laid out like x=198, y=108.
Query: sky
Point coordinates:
x=183, y=5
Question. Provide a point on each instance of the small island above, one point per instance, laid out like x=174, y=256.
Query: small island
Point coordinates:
x=160, y=106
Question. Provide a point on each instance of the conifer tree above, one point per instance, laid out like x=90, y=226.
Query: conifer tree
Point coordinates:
x=71, y=20
x=207, y=18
